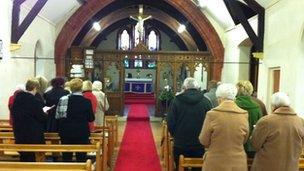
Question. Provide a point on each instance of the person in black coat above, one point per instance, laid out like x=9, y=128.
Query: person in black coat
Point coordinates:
x=74, y=113
x=185, y=118
x=29, y=119
x=51, y=99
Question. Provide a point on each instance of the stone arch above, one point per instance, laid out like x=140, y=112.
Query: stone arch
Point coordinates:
x=188, y=8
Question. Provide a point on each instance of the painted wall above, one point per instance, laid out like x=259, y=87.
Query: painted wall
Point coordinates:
x=17, y=66
x=284, y=48
x=110, y=43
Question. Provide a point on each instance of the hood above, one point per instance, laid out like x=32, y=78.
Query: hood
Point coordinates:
x=246, y=102
x=191, y=96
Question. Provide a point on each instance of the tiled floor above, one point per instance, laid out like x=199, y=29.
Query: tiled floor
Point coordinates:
x=156, y=129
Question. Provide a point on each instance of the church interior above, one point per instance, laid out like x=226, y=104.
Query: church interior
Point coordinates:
x=142, y=51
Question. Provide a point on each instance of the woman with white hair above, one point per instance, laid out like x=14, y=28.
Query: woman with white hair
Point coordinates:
x=224, y=132
x=102, y=102
x=278, y=138
x=185, y=117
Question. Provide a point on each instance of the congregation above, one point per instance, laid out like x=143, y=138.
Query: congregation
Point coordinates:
x=235, y=127
x=71, y=109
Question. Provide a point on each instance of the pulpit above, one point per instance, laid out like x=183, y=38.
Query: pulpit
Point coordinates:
x=138, y=85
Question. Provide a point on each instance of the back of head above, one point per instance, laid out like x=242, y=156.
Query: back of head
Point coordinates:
x=97, y=85
x=280, y=99
x=87, y=85
x=212, y=84
x=31, y=84
x=226, y=91
x=190, y=83
x=75, y=85
x=244, y=88
x=43, y=83
x=57, y=82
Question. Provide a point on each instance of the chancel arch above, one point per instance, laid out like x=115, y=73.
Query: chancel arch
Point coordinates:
x=187, y=8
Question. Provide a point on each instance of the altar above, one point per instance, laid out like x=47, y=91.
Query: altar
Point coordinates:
x=138, y=85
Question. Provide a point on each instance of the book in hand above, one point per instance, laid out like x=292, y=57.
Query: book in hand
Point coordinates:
x=47, y=108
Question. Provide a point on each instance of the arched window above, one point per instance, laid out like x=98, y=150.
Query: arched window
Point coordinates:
x=153, y=40
x=124, y=40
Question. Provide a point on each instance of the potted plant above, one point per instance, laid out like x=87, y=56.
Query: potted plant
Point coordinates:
x=166, y=96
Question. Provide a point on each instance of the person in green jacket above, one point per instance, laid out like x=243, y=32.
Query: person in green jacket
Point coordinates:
x=245, y=101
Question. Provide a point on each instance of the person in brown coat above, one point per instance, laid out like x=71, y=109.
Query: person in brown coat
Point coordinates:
x=278, y=137
x=224, y=133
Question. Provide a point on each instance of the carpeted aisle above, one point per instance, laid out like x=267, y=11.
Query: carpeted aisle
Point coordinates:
x=138, y=151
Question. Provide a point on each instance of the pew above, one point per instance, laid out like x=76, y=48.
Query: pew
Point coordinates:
x=113, y=121
x=168, y=150
x=53, y=138
x=45, y=166
x=41, y=149
x=189, y=163
x=110, y=136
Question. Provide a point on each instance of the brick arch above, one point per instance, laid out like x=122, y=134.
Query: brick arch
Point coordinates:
x=187, y=8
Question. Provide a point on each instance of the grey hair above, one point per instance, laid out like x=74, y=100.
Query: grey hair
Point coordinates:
x=226, y=91
x=280, y=99
x=190, y=83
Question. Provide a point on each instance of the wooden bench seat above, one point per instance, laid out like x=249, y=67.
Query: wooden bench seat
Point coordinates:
x=45, y=166
x=189, y=163
x=41, y=149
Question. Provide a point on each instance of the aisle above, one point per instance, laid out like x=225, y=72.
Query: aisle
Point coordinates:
x=138, y=151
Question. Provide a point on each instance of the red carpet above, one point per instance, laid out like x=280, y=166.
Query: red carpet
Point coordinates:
x=137, y=151
x=138, y=112
x=134, y=98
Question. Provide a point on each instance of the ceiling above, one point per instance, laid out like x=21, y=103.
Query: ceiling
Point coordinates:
x=58, y=10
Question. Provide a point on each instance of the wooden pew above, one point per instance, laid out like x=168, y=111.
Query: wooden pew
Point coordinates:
x=45, y=166
x=189, y=163
x=110, y=139
x=113, y=121
x=41, y=149
x=168, y=150
x=53, y=138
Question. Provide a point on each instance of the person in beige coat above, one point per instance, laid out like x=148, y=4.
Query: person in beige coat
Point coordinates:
x=278, y=137
x=102, y=103
x=224, y=133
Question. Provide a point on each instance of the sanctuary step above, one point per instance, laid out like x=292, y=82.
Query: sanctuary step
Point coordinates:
x=139, y=98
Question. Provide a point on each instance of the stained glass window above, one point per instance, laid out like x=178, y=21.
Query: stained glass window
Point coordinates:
x=125, y=40
x=152, y=41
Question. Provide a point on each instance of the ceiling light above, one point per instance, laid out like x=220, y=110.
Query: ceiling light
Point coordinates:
x=96, y=26
x=181, y=28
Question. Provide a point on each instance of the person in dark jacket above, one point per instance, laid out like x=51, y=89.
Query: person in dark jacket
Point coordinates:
x=74, y=113
x=185, y=118
x=51, y=99
x=29, y=119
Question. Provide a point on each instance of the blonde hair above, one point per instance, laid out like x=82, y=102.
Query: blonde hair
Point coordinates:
x=75, y=85
x=31, y=84
x=244, y=88
x=87, y=85
x=43, y=82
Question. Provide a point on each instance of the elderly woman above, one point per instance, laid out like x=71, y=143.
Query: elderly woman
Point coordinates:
x=225, y=130
x=185, y=118
x=74, y=113
x=278, y=137
x=51, y=99
x=43, y=82
x=87, y=93
x=29, y=118
x=102, y=102
x=245, y=101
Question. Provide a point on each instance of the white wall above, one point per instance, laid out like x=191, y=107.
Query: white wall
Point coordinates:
x=236, y=56
x=17, y=66
x=283, y=47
